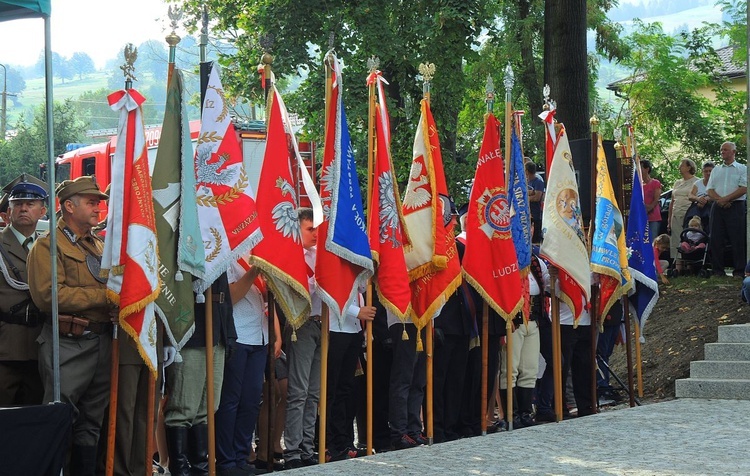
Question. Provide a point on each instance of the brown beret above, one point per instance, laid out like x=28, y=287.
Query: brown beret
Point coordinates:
x=81, y=186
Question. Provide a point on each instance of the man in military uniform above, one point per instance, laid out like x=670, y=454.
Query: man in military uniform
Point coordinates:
x=20, y=323
x=84, y=314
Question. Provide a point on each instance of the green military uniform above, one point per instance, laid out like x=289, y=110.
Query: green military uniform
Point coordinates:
x=20, y=325
x=84, y=360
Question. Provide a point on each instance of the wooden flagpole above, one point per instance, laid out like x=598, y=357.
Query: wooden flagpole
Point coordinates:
x=266, y=60
x=624, y=162
x=115, y=356
x=372, y=66
x=638, y=360
x=556, y=344
x=508, y=81
x=205, y=69
x=324, y=327
x=594, y=314
x=427, y=70
x=490, y=101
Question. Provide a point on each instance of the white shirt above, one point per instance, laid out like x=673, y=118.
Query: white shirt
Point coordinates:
x=566, y=315
x=725, y=179
x=250, y=319
x=21, y=238
x=533, y=285
x=317, y=305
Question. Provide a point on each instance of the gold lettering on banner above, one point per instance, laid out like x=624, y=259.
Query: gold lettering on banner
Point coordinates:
x=245, y=223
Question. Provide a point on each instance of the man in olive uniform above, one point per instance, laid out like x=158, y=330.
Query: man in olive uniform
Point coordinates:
x=20, y=322
x=84, y=315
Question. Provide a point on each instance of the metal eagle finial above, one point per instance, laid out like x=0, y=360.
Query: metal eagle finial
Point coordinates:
x=128, y=69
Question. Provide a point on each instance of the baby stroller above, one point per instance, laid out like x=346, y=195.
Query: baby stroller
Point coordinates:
x=692, y=252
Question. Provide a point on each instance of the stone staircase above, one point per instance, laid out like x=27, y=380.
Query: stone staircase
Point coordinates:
x=725, y=373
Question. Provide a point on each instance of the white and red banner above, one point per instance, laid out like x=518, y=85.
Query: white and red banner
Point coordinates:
x=226, y=202
x=432, y=260
x=280, y=255
x=564, y=243
x=130, y=246
x=490, y=263
x=386, y=221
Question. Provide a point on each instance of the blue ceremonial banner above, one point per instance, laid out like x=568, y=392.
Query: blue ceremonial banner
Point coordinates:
x=521, y=217
x=641, y=256
x=344, y=260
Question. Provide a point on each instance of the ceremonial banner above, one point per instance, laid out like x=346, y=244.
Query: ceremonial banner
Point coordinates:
x=226, y=203
x=520, y=218
x=548, y=117
x=386, y=222
x=344, y=262
x=280, y=255
x=432, y=260
x=130, y=248
x=490, y=264
x=177, y=228
x=609, y=255
x=645, y=292
x=564, y=244
x=426, y=201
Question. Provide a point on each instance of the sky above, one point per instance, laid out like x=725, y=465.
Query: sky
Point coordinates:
x=97, y=27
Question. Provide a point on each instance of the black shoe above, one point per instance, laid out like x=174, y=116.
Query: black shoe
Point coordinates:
x=337, y=455
x=546, y=418
x=405, y=442
x=293, y=463
x=311, y=461
x=263, y=466
x=526, y=420
x=420, y=439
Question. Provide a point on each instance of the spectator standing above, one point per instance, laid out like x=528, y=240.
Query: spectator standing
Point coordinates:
x=85, y=317
x=680, y=203
x=651, y=196
x=20, y=320
x=303, y=359
x=728, y=188
x=243, y=373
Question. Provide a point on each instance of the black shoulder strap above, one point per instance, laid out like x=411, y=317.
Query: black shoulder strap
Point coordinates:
x=13, y=267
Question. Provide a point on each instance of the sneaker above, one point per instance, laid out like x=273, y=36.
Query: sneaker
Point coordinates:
x=405, y=442
x=420, y=439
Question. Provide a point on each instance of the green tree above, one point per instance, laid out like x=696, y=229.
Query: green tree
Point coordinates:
x=82, y=64
x=672, y=116
x=16, y=83
x=28, y=149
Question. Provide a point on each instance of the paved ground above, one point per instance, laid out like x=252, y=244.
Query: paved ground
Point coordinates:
x=678, y=437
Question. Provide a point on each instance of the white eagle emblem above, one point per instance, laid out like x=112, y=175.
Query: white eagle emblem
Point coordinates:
x=388, y=213
x=208, y=173
x=284, y=214
x=417, y=195
x=494, y=213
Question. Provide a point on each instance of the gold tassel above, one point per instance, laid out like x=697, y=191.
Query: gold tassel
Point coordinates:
x=404, y=335
x=420, y=347
x=294, y=335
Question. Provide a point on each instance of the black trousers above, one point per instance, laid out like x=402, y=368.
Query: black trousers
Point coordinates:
x=449, y=369
x=471, y=406
x=728, y=226
x=576, y=354
x=343, y=353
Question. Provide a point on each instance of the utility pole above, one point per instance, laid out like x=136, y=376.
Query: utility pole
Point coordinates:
x=4, y=101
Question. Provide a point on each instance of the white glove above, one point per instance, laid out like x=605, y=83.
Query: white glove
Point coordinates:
x=169, y=355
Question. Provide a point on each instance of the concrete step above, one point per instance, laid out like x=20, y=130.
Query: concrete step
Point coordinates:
x=735, y=333
x=727, y=351
x=720, y=369
x=713, y=388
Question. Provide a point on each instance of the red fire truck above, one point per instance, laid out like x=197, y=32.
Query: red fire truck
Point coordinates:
x=96, y=159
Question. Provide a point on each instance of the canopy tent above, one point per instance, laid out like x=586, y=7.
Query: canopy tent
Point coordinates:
x=15, y=10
